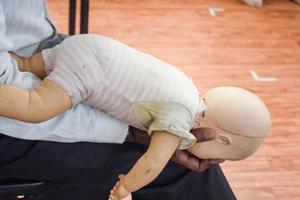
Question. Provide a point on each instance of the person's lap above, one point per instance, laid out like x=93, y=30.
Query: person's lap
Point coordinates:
x=89, y=170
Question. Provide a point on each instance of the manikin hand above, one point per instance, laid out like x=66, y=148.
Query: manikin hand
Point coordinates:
x=18, y=59
x=181, y=157
x=119, y=191
x=33, y=64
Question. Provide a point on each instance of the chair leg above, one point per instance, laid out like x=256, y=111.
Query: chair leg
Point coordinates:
x=72, y=16
x=84, y=16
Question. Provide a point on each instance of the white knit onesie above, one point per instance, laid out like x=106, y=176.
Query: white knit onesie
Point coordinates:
x=129, y=85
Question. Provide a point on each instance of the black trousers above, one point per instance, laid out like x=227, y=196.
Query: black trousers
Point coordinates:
x=87, y=171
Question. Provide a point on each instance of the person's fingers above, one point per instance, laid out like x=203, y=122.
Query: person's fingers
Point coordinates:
x=204, y=165
x=180, y=157
x=190, y=161
x=204, y=134
x=197, y=164
x=194, y=164
x=216, y=161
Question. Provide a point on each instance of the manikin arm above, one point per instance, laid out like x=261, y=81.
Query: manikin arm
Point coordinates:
x=46, y=101
x=33, y=64
x=181, y=157
x=149, y=166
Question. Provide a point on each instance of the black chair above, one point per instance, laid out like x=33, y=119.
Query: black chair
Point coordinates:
x=84, y=16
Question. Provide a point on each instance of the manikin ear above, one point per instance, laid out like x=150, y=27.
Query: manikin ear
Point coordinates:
x=223, y=139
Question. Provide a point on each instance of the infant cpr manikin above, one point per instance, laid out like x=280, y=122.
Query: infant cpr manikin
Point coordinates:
x=240, y=119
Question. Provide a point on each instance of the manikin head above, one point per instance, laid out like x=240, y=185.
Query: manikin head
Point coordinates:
x=240, y=119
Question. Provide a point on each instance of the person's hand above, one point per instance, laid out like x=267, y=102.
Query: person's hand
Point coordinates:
x=185, y=158
x=182, y=157
x=119, y=191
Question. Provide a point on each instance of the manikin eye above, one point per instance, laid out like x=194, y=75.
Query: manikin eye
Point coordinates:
x=223, y=139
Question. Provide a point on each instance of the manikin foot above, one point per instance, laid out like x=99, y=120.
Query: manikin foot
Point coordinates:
x=256, y=3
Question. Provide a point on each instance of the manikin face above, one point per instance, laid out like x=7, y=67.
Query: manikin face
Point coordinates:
x=226, y=145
